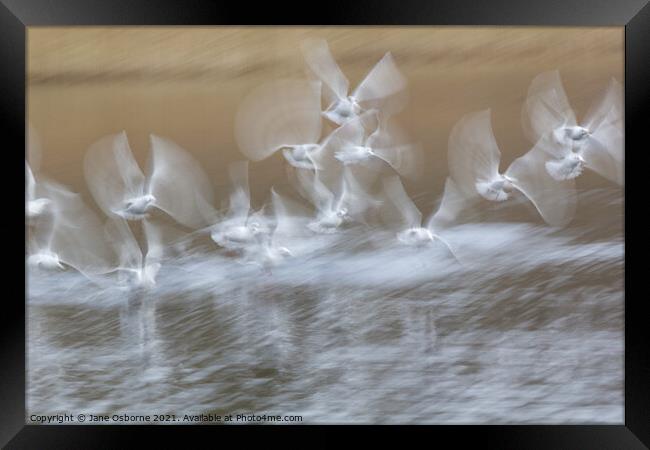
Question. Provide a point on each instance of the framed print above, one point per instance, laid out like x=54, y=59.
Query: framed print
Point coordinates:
x=409, y=214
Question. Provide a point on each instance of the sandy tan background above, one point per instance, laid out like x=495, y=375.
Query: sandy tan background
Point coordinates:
x=185, y=83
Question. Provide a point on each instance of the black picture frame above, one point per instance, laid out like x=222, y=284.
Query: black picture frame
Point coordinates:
x=16, y=15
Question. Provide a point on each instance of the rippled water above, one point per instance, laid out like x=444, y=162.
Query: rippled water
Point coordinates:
x=528, y=330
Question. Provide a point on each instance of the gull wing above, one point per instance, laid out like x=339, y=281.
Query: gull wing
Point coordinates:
x=404, y=212
x=604, y=150
x=602, y=153
x=240, y=197
x=276, y=114
x=608, y=109
x=313, y=190
x=111, y=172
x=320, y=61
x=554, y=199
x=353, y=196
x=287, y=215
x=181, y=187
x=546, y=107
x=390, y=143
x=452, y=203
x=351, y=133
x=127, y=249
x=383, y=80
x=31, y=183
x=155, y=246
x=473, y=152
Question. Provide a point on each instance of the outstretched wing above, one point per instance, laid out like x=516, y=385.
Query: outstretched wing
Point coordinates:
x=473, y=152
x=353, y=197
x=452, y=203
x=278, y=114
x=608, y=109
x=313, y=190
x=154, y=238
x=181, y=187
x=404, y=212
x=240, y=197
x=554, y=199
x=127, y=249
x=383, y=80
x=603, y=153
x=391, y=144
x=30, y=182
x=320, y=61
x=111, y=172
x=288, y=216
x=546, y=107
x=604, y=150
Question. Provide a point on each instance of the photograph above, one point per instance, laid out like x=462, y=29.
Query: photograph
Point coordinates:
x=290, y=225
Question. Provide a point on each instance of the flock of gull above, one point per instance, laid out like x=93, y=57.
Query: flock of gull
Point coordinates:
x=346, y=162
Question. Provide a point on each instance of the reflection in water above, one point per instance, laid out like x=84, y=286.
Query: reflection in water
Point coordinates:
x=528, y=330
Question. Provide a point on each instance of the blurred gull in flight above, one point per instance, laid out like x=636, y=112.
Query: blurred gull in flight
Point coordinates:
x=409, y=218
x=597, y=143
x=68, y=234
x=383, y=82
x=269, y=249
x=175, y=183
x=239, y=228
x=474, y=159
x=334, y=210
x=280, y=115
x=355, y=146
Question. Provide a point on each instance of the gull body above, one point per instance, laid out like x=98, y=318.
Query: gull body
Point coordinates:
x=415, y=236
x=137, y=208
x=342, y=110
x=567, y=168
x=37, y=207
x=354, y=154
x=237, y=236
x=45, y=259
x=328, y=222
